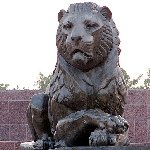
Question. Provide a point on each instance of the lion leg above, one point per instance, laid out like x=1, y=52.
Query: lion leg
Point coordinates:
x=29, y=119
x=38, y=121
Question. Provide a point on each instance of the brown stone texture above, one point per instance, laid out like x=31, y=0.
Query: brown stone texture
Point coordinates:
x=14, y=128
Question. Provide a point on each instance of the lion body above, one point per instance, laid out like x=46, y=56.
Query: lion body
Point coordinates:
x=74, y=92
x=87, y=77
x=94, y=84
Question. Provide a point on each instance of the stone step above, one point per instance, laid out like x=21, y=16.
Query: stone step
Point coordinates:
x=28, y=146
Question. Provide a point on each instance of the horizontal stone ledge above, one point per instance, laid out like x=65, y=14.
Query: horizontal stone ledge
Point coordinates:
x=107, y=148
x=28, y=146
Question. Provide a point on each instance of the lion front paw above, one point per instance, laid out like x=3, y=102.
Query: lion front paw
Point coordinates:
x=102, y=138
x=116, y=124
x=112, y=130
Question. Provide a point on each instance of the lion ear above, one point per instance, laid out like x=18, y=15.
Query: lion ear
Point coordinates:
x=61, y=14
x=105, y=11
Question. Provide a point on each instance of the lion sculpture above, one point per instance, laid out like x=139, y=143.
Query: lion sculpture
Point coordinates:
x=85, y=99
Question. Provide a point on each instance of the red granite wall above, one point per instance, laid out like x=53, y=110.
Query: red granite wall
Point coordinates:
x=13, y=123
x=14, y=128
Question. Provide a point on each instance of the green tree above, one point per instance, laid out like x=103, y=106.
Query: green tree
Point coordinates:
x=131, y=83
x=147, y=80
x=43, y=81
x=4, y=86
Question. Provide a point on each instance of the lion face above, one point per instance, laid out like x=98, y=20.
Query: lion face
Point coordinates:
x=84, y=39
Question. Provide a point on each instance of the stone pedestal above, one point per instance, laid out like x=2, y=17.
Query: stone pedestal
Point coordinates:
x=28, y=146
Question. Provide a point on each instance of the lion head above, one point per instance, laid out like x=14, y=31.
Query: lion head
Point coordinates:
x=85, y=35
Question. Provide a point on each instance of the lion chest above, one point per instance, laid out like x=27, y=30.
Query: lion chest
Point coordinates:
x=78, y=93
x=68, y=92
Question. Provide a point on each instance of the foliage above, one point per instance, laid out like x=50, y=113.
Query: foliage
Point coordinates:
x=131, y=83
x=4, y=86
x=43, y=81
x=134, y=83
x=147, y=80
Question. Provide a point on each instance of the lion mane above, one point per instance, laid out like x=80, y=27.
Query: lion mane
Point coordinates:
x=106, y=39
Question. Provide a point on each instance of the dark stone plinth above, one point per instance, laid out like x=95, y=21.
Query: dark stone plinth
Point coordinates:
x=28, y=146
x=108, y=148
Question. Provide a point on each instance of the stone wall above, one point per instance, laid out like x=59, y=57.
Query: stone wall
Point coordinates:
x=14, y=128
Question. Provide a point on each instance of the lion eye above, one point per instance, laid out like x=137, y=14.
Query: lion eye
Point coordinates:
x=91, y=25
x=67, y=26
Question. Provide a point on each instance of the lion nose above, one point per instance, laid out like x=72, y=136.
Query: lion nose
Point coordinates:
x=76, y=39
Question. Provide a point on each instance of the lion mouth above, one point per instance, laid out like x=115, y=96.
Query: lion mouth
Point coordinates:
x=78, y=51
x=81, y=57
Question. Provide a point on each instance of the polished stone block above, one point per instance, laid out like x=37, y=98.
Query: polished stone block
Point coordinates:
x=28, y=146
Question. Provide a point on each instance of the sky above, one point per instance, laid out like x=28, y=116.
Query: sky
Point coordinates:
x=28, y=30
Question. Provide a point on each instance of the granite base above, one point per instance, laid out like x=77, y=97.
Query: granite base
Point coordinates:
x=28, y=146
